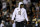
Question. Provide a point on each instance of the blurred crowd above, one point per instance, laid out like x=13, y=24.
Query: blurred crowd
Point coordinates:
x=32, y=8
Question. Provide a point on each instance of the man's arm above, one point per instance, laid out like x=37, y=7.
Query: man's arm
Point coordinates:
x=26, y=17
x=13, y=16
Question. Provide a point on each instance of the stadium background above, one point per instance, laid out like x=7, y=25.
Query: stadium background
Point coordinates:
x=32, y=8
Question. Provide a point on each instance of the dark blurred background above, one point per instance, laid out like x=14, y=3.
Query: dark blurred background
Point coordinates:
x=32, y=7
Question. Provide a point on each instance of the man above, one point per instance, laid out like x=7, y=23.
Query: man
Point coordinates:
x=0, y=5
x=20, y=15
x=2, y=24
x=26, y=3
x=4, y=5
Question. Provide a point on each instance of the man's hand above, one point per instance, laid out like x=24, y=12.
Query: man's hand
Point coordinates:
x=12, y=21
x=27, y=22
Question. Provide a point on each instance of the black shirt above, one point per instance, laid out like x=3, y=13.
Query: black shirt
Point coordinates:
x=0, y=5
x=14, y=2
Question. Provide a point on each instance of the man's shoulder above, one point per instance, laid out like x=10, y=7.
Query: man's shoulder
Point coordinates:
x=16, y=8
x=23, y=8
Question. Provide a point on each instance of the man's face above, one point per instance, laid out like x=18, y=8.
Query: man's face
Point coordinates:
x=21, y=5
